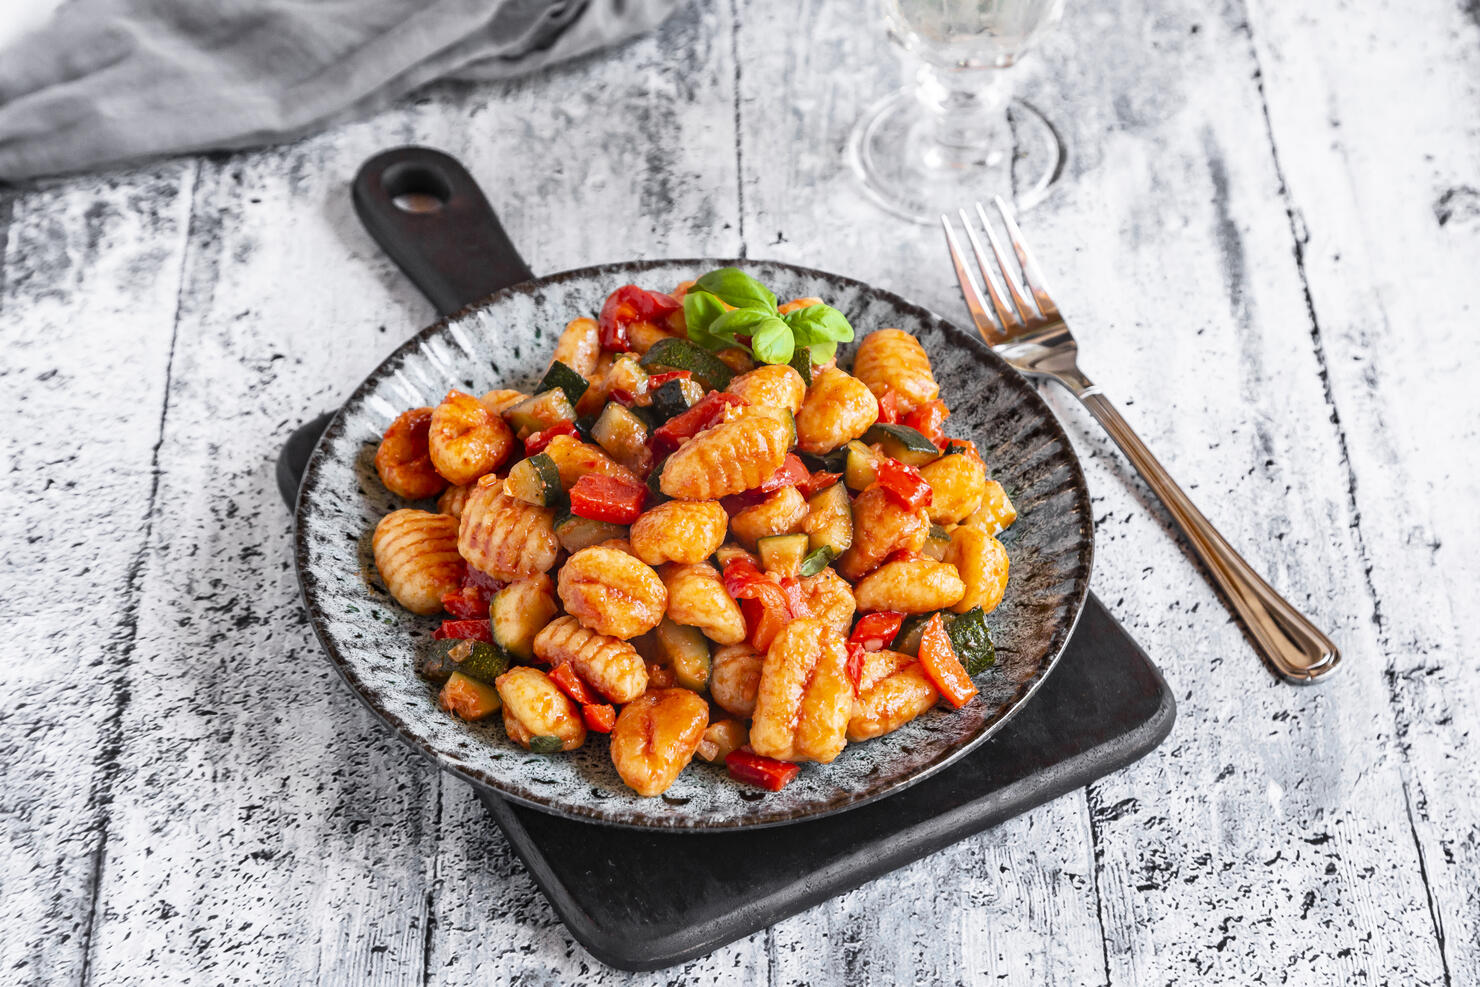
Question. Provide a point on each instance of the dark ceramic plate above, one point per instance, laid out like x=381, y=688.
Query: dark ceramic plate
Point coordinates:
x=505, y=341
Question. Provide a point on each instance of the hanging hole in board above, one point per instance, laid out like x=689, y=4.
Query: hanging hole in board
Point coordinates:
x=416, y=188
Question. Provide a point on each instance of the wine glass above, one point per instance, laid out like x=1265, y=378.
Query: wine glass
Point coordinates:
x=958, y=135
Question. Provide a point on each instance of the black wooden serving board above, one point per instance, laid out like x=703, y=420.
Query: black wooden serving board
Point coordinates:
x=643, y=901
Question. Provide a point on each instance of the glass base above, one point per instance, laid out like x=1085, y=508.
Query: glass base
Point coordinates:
x=907, y=172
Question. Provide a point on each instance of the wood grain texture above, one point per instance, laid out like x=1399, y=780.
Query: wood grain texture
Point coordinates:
x=1264, y=236
x=89, y=276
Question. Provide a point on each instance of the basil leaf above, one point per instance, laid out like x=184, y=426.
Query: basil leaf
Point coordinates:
x=739, y=322
x=738, y=289
x=772, y=341
x=700, y=310
x=819, y=324
x=822, y=352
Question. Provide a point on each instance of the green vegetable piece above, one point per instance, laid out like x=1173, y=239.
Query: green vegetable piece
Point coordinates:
x=700, y=309
x=561, y=376
x=680, y=354
x=907, y=641
x=801, y=362
x=545, y=744
x=737, y=288
x=484, y=662
x=817, y=560
x=972, y=641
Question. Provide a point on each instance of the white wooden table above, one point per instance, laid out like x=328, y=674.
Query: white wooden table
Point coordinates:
x=1267, y=236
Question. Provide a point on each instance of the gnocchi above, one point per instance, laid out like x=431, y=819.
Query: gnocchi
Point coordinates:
x=676, y=551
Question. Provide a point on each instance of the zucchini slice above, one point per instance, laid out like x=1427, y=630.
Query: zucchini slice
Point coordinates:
x=536, y=481
x=680, y=354
x=669, y=400
x=907, y=641
x=827, y=462
x=444, y=657
x=971, y=640
x=546, y=744
x=861, y=467
x=561, y=376
x=903, y=443
x=801, y=362
x=576, y=533
x=783, y=554
x=538, y=413
x=936, y=543
x=686, y=651
x=465, y=697
x=626, y=375
x=829, y=521
x=622, y=434
x=520, y=611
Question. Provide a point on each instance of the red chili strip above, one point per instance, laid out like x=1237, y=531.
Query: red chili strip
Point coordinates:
x=763, y=772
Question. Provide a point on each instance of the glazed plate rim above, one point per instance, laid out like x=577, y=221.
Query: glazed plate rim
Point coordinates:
x=308, y=589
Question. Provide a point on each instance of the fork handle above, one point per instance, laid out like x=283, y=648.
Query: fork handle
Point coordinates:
x=1296, y=649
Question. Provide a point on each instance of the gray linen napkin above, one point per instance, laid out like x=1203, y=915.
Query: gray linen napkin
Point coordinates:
x=108, y=81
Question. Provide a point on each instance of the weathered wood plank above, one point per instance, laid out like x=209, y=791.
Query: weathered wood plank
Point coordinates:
x=89, y=278
x=1015, y=905
x=1375, y=115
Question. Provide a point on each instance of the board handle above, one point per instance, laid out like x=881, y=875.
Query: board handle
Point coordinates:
x=429, y=215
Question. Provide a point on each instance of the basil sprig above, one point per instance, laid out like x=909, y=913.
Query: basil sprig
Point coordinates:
x=774, y=338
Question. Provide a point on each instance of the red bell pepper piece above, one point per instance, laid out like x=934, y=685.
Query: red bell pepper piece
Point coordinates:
x=600, y=717
x=658, y=380
x=763, y=772
x=710, y=409
x=889, y=407
x=629, y=304
x=939, y=662
x=464, y=630
x=607, y=498
x=622, y=396
x=572, y=685
x=857, y=655
x=536, y=442
x=904, y=484
x=469, y=603
x=927, y=420
x=791, y=473
x=875, y=631
x=817, y=481
x=768, y=602
x=966, y=444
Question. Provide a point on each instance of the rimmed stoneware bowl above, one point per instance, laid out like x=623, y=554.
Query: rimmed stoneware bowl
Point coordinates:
x=505, y=341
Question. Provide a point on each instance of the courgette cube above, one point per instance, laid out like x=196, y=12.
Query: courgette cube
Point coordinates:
x=626, y=375
x=936, y=543
x=576, y=533
x=546, y=744
x=902, y=443
x=862, y=466
x=624, y=436
x=827, y=462
x=907, y=641
x=669, y=399
x=693, y=391
x=971, y=641
x=829, y=521
x=680, y=354
x=540, y=412
x=561, y=376
x=465, y=697
x=536, y=481
x=801, y=362
x=783, y=554
x=686, y=651
x=521, y=610
x=442, y=658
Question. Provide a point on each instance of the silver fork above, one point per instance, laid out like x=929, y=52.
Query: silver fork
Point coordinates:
x=1029, y=333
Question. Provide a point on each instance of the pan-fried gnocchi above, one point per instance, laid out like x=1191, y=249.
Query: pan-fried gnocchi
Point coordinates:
x=667, y=524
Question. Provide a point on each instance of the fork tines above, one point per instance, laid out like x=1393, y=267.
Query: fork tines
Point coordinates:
x=1014, y=306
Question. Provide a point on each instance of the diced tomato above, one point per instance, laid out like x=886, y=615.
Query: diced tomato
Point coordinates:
x=607, y=498
x=940, y=664
x=658, y=380
x=767, y=601
x=735, y=503
x=710, y=409
x=763, y=772
x=570, y=682
x=889, y=407
x=818, y=481
x=791, y=473
x=904, y=484
x=857, y=655
x=464, y=630
x=927, y=420
x=622, y=396
x=469, y=603
x=600, y=717
x=875, y=631
x=536, y=443
x=629, y=304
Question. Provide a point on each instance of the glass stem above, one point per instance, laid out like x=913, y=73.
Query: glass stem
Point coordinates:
x=967, y=113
